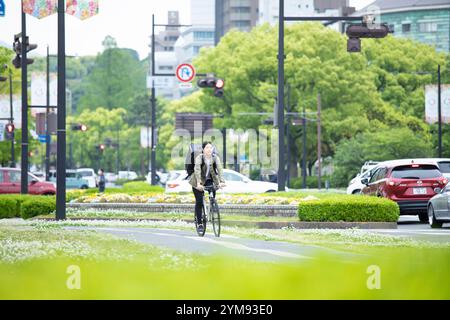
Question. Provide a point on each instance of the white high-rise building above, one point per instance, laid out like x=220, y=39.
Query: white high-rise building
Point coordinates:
x=269, y=9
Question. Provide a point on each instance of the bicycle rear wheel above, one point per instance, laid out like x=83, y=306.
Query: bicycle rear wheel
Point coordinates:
x=215, y=217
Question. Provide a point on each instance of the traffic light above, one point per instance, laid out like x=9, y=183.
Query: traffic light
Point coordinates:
x=101, y=148
x=9, y=130
x=79, y=127
x=357, y=31
x=17, y=47
x=212, y=82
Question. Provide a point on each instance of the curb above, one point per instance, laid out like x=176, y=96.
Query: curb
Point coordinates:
x=268, y=224
x=244, y=209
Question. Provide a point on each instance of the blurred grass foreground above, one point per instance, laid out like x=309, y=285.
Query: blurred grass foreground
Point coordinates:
x=44, y=261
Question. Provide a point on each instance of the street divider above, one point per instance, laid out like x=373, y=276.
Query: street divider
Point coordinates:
x=26, y=206
x=349, y=209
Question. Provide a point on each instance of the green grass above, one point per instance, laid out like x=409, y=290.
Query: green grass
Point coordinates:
x=120, y=269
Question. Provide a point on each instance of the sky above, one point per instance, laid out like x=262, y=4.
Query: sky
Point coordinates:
x=128, y=21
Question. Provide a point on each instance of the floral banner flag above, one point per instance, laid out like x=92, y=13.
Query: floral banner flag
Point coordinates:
x=40, y=8
x=82, y=9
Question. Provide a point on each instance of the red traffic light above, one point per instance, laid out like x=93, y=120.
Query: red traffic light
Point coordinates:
x=220, y=83
x=9, y=128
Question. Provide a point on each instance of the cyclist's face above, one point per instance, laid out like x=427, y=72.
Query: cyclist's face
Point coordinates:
x=208, y=150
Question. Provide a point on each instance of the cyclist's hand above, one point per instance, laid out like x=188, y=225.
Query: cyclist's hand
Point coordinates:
x=200, y=187
x=222, y=185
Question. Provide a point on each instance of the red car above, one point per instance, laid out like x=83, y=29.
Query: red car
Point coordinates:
x=410, y=184
x=10, y=183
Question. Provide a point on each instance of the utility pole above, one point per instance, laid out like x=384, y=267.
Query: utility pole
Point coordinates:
x=153, y=108
x=11, y=116
x=61, y=132
x=47, y=129
x=281, y=161
x=304, y=149
x=319, y=141
x=439, y=113
x=24, y=157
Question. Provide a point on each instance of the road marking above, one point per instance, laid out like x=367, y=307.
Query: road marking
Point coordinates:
x=229, y=245
x=399, y=232
x=238, y=246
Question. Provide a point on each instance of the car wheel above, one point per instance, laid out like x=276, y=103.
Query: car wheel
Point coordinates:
x=432, y=218
x=84, y=187
x=270, y=191
x=423, y=217
x=357, y=191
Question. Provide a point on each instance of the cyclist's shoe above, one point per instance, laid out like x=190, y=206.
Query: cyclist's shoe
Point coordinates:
x=200, y=228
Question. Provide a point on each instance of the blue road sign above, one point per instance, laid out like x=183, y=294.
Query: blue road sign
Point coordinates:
x=2, y=8
x=43, y=138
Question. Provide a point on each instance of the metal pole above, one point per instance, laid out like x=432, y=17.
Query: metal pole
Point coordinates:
x=281, y=164
x=288, y=137
x=304, y=149
x=11, y=115
x=439, y=113
x=47, y=130
x=24, y=159
x=153, y=166
x=319, y=141
x=153, y=146
x=61, y=158
x=118, y=150
x=224, y=135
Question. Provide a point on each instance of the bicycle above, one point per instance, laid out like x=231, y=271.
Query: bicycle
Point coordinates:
x=209, y=213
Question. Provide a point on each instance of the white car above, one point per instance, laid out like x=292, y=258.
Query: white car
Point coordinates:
x=355, y=186
x=89, y=175
x=235, y=183
x=129, y=175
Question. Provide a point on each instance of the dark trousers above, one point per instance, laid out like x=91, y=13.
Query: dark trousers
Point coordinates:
x=199, y=200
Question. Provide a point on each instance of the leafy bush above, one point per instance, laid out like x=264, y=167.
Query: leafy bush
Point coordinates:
x=350, y=209
x=141, y=187
x=8, y=208
x=25, y=206
x=37, y=206
x=311, y=182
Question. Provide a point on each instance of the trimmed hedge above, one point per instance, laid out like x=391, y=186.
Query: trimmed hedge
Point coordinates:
x=349, y=209
x=25, y=206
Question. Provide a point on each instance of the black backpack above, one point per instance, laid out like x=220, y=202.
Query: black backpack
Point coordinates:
x=194, y=151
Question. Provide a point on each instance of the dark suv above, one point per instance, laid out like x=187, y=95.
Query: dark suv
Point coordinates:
x=410, y=184
x=10, y=183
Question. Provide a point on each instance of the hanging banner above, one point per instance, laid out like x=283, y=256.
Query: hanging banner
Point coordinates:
x=82, y=9
x=40, y=8
x=431, y=103
x=17, y=110
x=39, y=91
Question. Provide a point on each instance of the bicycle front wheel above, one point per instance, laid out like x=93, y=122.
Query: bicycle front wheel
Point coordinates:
x=215, y=218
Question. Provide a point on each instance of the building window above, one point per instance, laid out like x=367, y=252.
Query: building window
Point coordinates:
x=240, y=10
x=203, y=35
x=241, y=24
x=406, y=27
x=427, y=27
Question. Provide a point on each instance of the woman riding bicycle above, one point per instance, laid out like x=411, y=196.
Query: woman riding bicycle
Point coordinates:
x=208, y=171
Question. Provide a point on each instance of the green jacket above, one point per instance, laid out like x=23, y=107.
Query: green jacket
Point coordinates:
x=200, y=171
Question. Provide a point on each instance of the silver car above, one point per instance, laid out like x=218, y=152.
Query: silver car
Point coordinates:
x=439, y=207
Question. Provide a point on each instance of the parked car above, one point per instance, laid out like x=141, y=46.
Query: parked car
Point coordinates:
x=129, y=175
x=161, y=178
x=439, y=208
x=355, y=185
x=409, y=183
x=110, y=177
x=442, y=163
x=368, y=165
x=235, y=183
x=39, y=174
x=10, y=179
x=89, y=175
x=74, y=179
